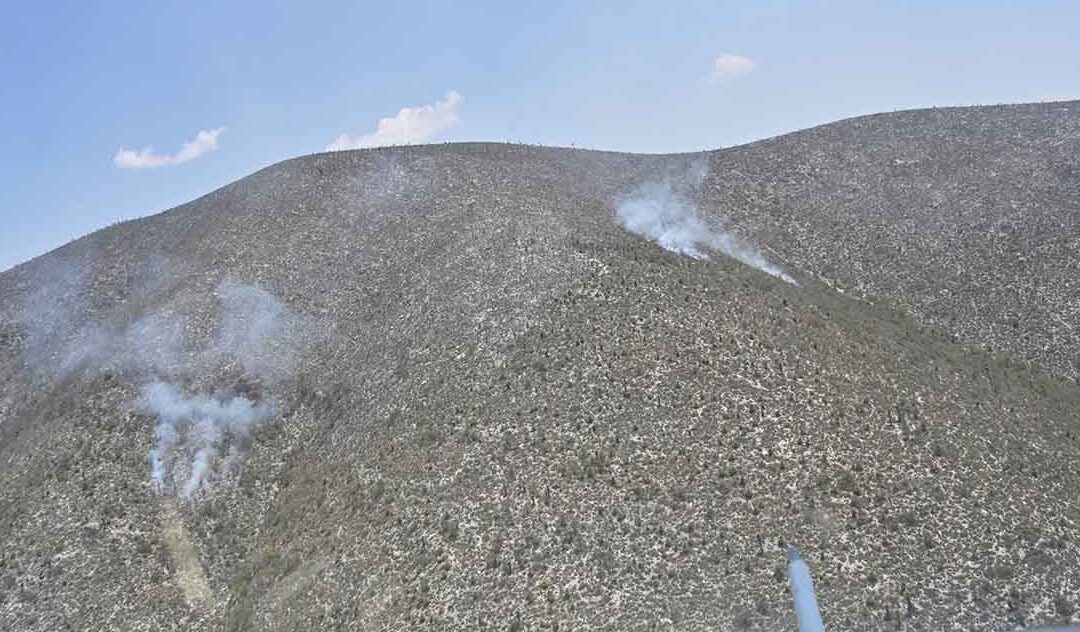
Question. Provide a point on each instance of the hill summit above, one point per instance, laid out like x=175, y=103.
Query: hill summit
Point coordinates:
x=490, y=386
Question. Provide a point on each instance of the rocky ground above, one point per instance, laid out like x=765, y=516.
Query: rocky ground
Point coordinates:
x=967, y=217
x=508, y=413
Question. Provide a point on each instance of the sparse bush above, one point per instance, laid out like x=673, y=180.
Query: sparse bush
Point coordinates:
x=1063, y=606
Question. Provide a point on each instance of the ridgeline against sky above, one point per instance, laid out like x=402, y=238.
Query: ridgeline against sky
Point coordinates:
x=133, y=108
x=441, y=386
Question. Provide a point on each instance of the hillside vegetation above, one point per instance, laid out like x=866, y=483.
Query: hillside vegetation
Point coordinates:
x=490, y=406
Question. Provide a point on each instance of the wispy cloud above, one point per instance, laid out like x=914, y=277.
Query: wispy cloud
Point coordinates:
x=204, y=141
x=730, y=67
x=410, y=125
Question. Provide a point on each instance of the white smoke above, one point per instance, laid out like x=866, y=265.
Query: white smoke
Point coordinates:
x=666, y=216
x=256, y=333
x=255, y=340
x=56, y=341
x=62, y=334
x=204, y=423
x=655, y=212
x=256, y=337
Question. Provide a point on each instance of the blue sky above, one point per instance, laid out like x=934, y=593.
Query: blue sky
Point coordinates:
x=81, y=80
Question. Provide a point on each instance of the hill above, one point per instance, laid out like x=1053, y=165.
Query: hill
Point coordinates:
x=463, y=387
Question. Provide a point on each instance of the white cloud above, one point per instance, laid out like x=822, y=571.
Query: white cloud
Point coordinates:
x=730, y=67
x=203, y=142
x=410, y=125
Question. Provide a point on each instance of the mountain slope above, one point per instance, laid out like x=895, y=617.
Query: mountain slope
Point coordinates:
x=507, y=412
x=969, y=217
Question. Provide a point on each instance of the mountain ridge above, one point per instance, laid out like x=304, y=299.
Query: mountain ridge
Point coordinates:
x=507, y=411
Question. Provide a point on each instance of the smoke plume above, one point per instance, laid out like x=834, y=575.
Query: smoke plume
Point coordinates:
x=189, y=385
x=665, y=215
x=256, y=335
x=205, y=423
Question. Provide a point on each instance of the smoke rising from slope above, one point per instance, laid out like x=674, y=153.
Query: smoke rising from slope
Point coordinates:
x=62, y=334
x=206, y=423
x=656, y=213
x=254, y=341
x=56, y=340
x=256, y=333
x=664, y=215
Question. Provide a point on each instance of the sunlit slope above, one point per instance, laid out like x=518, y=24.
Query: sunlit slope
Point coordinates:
x=968, y=217
x=509, y=412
